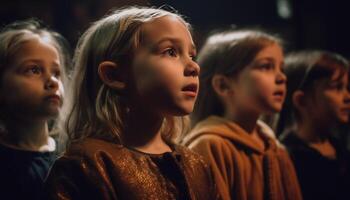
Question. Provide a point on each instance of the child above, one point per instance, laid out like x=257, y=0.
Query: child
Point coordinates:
x=318, y=100
x=134, y=73
x=31, y=92
x=241, y=79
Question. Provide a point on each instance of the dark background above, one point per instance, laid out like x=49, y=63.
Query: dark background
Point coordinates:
x=307, y=24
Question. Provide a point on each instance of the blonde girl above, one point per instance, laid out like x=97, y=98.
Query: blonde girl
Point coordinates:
x=32, y=66
x=134, y=74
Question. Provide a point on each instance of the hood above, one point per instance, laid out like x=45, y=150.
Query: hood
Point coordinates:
x=214, y=125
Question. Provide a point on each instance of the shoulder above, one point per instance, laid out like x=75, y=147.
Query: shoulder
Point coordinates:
x=89, y=153
x=213, y=143
x=190, y=157
x=91, y=146
x=209, y=139
x=214, y=148
x=293, y=143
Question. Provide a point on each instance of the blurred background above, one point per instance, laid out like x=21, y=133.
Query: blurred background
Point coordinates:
x=304, y=24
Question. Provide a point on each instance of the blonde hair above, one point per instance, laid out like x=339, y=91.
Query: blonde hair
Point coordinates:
x=12, y=38
x=14, y=35
x=98, y=110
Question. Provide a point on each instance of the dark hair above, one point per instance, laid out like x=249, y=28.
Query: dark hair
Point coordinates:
x=302, y=70
x=225, y=53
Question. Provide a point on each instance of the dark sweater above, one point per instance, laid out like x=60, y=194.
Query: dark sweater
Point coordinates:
x=22, y=173
x=320, y=178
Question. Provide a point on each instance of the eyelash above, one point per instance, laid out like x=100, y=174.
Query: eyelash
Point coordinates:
x=266, y=66
x=170, y=52
x=36, y=69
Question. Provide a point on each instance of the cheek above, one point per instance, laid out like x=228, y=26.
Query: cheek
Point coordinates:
x=329, y=98
x=259, y=85
x=164, y=74
x=15, y=89
x=324, y=107
x=332, y=102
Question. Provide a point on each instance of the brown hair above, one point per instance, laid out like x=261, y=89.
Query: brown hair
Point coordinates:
x=302, y=70
x=225, y=53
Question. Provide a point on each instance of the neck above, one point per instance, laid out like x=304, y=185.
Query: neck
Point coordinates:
x=143, y=132
x=313, y=133
x=248, y=122
x=30, y=135
x=244, y=119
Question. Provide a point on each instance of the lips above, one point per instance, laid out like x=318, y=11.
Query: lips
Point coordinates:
x=53, y=98
x=279, y=95
x=190, y=90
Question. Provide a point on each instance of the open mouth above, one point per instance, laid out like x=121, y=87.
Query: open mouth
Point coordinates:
x=278, y=94
x=190, y=90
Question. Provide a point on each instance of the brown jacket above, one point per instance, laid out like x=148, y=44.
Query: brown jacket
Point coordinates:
x=242, y=170
x=102, y=170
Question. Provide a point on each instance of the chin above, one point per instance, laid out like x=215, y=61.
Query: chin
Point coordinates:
x=52, y=113
x=276, y=107
x=182, y=108
x=272, y=109
x=182, y=113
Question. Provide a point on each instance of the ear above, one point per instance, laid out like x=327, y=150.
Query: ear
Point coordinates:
x=110, y=74
x=298, y=100
x=221, y=85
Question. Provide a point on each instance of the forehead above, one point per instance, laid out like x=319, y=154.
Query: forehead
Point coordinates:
x=270, y=50
x=165, y=27
x=40, y=47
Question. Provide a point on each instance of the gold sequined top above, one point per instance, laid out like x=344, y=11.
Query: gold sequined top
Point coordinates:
x=98, y=169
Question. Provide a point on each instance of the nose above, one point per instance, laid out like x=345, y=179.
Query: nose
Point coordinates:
x=192, y=68
x=281, y=78
x=52, y=82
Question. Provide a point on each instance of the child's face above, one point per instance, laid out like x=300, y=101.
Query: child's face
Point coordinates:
x=31, y=86
x=331, y=99
x=166, y=77
x=261, y=86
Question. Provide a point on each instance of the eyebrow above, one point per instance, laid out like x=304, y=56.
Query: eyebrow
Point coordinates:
x=269, y=59
x=54, y=64
x=175, y=40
